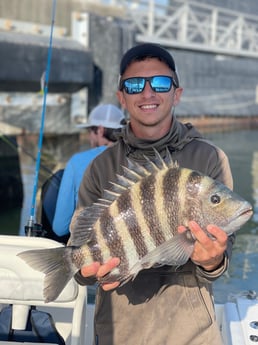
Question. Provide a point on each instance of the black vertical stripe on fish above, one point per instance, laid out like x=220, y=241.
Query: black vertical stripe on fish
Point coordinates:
x=149, y=210
x=111, y=235
x=126, y=207
x=193, y=183
x=193, y=188
x=171, y=195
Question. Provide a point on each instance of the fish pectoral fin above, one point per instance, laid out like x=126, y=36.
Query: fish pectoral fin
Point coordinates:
x=175, y=252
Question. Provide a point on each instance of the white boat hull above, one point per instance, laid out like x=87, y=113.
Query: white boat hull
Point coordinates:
x=238, y=321
x=21, y=286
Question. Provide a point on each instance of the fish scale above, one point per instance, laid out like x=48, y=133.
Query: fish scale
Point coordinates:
x=137, y=221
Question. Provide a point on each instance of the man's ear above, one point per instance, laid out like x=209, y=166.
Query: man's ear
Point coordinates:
x=120, y=97
x=177, y=95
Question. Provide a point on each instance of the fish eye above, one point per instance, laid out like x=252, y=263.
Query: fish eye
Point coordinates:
x=215, y=199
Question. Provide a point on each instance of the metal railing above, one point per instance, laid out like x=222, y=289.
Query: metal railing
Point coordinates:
x=191, y=25
x=183, y=24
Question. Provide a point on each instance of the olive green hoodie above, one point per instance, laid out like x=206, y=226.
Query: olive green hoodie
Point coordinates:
x=166, y=305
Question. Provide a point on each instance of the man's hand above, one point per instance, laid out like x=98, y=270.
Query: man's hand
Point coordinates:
x=208, y=252
x=95, y=269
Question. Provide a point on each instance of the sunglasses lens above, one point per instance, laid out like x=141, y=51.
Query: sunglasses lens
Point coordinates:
x=161, y=83
x=134, y=85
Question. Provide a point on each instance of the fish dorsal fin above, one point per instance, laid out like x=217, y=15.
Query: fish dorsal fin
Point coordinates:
x=134, y=172
x=158, y=163
x=137, y=168
x=110, y=195
x=124, y=182
x=169, y=160
x=118, y=188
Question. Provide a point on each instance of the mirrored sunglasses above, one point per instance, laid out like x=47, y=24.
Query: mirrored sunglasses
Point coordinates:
x=158, y=83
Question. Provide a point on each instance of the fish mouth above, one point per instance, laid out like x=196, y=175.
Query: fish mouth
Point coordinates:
x=240, y=219
x=246, y=214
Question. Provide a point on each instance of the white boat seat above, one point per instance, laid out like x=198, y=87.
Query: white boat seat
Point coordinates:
x=22, y=286
x=21, y=282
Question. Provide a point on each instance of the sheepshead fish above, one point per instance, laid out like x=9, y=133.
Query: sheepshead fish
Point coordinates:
x=137, y=221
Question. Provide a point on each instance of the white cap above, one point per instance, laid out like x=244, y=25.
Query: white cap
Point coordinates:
x=106, y=115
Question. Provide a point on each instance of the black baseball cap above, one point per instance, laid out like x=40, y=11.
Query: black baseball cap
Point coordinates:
x=146, y=50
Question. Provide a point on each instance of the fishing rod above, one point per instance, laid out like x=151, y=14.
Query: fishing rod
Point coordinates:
x=32, y=228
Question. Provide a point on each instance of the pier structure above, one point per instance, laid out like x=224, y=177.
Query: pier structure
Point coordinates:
x=215, y=49
x=214, y=43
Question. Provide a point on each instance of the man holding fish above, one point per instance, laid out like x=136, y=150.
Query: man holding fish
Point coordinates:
x=155, y=219
x=166, y=305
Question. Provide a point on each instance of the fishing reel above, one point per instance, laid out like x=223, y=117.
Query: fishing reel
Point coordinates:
x=34, y=230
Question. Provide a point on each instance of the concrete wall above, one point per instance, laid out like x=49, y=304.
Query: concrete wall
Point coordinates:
x=217, y=84
x=109, y=39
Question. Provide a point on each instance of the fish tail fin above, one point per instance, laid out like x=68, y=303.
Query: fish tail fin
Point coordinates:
x=57, y=266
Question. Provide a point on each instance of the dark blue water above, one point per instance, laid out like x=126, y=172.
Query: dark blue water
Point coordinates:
x=242, y=149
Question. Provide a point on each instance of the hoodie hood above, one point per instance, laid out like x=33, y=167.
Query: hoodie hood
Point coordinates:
x=179, y=135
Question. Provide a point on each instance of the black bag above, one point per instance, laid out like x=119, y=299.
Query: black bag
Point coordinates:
x=40, y=328
x=49, y=194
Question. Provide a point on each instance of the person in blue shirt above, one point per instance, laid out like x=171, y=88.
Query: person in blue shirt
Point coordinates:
x=103, y=124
